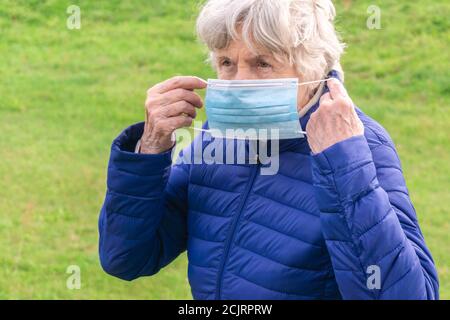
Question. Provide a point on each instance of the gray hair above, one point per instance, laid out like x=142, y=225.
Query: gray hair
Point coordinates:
x=301, y=32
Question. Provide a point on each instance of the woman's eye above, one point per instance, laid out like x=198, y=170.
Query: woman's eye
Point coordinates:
x=264, y=65
x=226, y=63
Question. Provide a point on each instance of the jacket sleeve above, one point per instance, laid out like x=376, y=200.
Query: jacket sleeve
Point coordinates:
x=369, y=223
x=142, y=222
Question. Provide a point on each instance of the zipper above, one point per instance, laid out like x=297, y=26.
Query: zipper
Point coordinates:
x=233, y=229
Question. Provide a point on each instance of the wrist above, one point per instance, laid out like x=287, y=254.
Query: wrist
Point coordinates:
x=154, y=149
x=153, y=146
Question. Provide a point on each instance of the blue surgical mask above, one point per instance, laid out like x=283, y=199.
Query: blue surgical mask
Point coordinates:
x=253, y=109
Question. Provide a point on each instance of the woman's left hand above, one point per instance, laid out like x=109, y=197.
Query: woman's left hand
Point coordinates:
x=334, y=121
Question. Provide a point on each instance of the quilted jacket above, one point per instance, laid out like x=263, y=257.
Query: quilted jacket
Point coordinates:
x=324, y=227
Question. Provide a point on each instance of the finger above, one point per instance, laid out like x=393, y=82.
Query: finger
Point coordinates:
x=174, y=123
x=184, y=82
x=180, y=108
x=337, y=89
x=182, y=95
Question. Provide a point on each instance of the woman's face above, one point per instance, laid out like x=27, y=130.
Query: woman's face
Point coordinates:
x=237, y=62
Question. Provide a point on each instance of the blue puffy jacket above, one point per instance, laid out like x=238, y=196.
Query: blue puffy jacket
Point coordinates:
x=324, y=227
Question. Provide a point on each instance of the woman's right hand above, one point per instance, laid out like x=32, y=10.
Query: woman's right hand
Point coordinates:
x=170, y=105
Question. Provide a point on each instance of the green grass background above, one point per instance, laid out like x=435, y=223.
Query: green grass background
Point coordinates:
x=64, y=95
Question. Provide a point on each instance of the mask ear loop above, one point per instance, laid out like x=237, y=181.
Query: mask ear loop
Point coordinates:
x=312, y=82
x=307, y=83
x=200, y=130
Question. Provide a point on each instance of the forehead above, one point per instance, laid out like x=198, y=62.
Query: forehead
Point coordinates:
x=238, y=49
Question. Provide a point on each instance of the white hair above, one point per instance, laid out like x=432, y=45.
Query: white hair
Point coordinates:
x=301, y=32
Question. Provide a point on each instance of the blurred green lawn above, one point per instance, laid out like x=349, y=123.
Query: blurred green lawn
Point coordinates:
x=64, y=95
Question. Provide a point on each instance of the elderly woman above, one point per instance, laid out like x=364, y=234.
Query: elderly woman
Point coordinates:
x=334, y=222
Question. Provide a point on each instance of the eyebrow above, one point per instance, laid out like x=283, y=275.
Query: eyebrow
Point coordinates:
x=252, y=59
x=259, y=57
x=222, y=58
